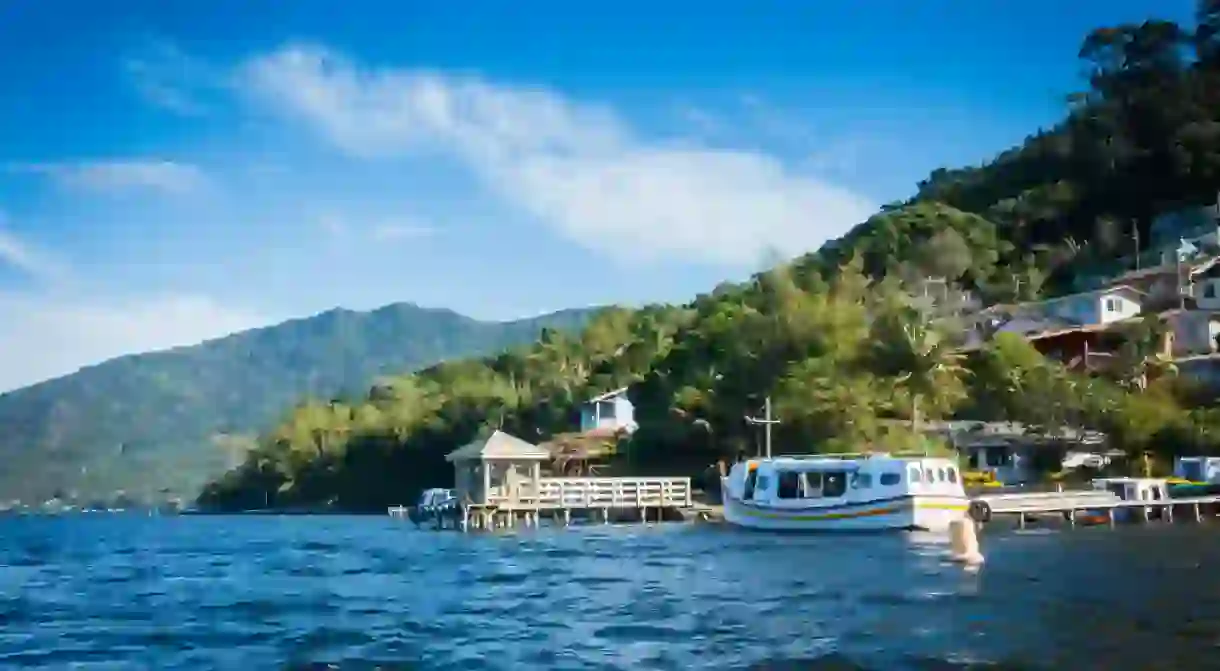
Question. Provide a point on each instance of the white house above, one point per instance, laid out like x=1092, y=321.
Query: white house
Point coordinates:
x=610, y=411
x=1091, y=308
x=1096, y=307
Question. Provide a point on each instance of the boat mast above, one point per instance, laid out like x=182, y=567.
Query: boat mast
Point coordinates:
x=766, y=421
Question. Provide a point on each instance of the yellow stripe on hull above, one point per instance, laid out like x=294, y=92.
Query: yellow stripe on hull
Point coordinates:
x=851, y=514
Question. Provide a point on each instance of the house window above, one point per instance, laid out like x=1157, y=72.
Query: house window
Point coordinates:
x=997, y=457
x=1209, y=290
x=1111, y=305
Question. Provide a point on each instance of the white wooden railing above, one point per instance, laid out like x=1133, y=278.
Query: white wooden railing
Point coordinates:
x=592, y=493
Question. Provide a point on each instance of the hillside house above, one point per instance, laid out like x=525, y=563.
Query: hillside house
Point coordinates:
x=1205, y=285
x=1191, y=332
x=1058, y=318
x=611, y=411
x=1008, y=450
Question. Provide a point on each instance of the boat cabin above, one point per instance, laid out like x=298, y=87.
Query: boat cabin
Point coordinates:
x=1135, y=489
x=799, y=479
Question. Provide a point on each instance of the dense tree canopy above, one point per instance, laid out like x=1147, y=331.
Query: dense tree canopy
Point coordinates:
x=833, y=337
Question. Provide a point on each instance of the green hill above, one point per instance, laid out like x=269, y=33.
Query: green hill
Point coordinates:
x=170, y=420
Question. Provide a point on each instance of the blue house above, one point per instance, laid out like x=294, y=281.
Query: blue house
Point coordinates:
x=611, y=411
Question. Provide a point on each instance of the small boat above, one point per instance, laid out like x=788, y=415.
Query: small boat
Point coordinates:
x=848, y=492
x=1153, y=490
x=432, y=504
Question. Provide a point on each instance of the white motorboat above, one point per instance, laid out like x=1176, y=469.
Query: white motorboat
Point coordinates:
x=848, y=492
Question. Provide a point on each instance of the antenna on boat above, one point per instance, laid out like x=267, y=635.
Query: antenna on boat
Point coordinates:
x=766, y=421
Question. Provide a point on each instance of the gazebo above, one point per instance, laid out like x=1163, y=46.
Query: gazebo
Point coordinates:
x=493, y=469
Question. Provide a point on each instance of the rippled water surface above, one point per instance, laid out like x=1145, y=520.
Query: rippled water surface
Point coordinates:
x=298, y=592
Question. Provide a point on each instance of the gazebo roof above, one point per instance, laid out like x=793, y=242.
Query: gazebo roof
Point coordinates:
x=499, y=445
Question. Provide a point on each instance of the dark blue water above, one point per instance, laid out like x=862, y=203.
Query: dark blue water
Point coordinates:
x=296, y=592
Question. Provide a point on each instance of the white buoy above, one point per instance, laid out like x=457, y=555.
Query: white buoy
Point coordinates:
x=964, y=543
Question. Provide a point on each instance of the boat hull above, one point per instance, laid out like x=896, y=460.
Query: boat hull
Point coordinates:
x=908, y=512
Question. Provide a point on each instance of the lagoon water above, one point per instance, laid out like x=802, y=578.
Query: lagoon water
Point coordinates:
x=114, y=592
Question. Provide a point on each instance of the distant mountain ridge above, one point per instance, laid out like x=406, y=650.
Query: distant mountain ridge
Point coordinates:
x=155, y=423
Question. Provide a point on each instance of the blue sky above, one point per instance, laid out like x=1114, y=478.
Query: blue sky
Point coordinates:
x=171, y=172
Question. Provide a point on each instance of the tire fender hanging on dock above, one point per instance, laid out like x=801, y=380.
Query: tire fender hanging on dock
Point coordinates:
x=980, y=511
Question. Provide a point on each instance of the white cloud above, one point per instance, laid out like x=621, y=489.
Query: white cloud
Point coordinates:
x=576, y=167
x=21, y=255
x=55, y=329
x=121, y=175
x=46, y=336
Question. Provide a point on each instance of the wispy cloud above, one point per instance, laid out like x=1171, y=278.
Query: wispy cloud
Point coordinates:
x=169, y=78
x=120, y=175
x=23, y=256
x=576, y=167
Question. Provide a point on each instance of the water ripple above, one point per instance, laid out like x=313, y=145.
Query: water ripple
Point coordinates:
x=303, y=593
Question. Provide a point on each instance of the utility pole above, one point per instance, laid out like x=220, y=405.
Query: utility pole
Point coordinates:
x=766, y=421
x=1135, y=233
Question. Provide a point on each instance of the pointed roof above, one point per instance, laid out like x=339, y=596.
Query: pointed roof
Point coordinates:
x=498, y=445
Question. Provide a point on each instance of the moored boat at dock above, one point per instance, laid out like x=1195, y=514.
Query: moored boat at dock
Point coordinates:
x=848, y=492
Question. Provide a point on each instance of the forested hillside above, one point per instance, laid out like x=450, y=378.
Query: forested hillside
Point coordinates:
x=171, y=420
x=831, y=335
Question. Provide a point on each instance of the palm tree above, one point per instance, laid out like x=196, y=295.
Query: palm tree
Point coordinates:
x=923, y=362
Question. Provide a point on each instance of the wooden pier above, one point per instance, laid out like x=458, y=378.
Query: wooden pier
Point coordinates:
x=498, y=484
x=1086, y=506
x=561, y=499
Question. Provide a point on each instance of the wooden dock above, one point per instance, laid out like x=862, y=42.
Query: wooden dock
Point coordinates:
x=1079, y=506
x=562, y=499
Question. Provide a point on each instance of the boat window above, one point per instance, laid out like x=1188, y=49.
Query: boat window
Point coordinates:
x=834, y=485
x=973, y=460
x=891, y=479
x=940, y=474
x=1117, y=489
x=788, y=484
x=813, y=485
x=952, y=474
x=751, y=478
x=914, y=474
x=862, y=480
x=1156, y=493
x=763, y=486
x=928, y=476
